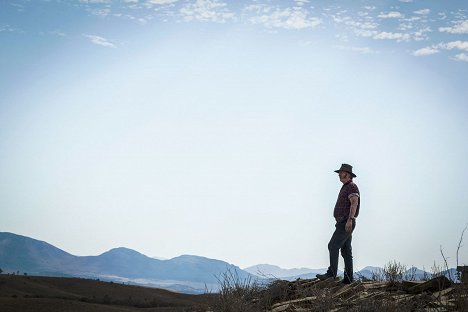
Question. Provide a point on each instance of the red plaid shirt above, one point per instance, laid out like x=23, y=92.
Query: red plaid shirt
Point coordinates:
x=343, y=204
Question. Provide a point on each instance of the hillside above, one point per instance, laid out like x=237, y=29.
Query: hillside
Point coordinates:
x=33, y=293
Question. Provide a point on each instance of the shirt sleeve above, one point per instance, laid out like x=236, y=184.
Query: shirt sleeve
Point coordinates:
x=353, y=191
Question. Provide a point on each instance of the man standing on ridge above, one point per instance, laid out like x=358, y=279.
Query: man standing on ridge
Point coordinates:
x=345, y=213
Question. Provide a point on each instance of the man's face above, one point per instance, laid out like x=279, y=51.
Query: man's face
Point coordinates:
x=344, y=176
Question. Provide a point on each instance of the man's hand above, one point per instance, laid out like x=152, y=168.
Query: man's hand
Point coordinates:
x=349, y=226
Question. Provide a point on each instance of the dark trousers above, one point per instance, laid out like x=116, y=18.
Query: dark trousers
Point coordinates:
x=341, y=240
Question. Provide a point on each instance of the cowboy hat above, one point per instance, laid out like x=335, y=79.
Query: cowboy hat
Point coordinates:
x=347, y=168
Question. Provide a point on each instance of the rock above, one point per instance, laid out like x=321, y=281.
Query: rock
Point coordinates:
x=437, y=294
x=464, y=273
x=436, y=284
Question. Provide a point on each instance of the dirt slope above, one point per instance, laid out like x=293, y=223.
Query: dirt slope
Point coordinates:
x=33, y=293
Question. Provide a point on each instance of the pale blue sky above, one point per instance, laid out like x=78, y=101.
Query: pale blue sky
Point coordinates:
x=213, y=128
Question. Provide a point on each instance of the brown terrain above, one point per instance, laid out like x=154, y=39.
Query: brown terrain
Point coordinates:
x=304, y=295
x=34, y=293
x=437, y=294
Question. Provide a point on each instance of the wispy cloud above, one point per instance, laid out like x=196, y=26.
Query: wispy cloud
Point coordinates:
x=461, y=57
x=459, y=45
x=95, y=1
x=100, y=12
x=57, y=33
x=461, y=27
x=425, y=51
x=100, y=41
x=207, y=10
x=393, y=14
x=421, y=34
x=392, y=36
x=301, y=2
x=361, y=50
x=161, y=1
x=19, y=7
x=8, y=28
x=422, y=12
x=288, y=18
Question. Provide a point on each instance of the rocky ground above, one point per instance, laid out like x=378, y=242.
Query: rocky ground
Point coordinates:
x=438, y=294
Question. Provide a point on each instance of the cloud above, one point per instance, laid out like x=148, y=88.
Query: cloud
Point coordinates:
x=206, y=10
x=460, y=45
x=393, y=14
x=58, y=33
x=355, y=24
x=421, y=33
x=392, y=36
x=366, y=33
x=461, y=57
x=425, y=51
x=19, y=7
x=461, y=27
x=95, y=1
x=100, y=12
x=406, y=1
x=8, y=28
x=301, y=2
x=423, y=12
x=289, y=18
x=161, y=1
x=100, y=41
x=362, y=50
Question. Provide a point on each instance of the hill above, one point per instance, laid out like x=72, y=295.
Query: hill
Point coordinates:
x=33, y=293
x=189, y=274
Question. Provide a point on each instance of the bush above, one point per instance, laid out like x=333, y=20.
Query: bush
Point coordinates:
x=238, y=295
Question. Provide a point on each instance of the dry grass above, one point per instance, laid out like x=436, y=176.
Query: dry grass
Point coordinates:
x=239, y=295
x=18, y=292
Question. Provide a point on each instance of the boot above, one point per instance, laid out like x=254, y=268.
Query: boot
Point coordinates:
x=348, y=277
x=324, y=276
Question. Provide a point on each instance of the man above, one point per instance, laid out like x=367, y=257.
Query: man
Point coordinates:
x=345, y=213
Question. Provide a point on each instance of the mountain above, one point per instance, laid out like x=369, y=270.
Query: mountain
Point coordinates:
x=273, y=271
x=191, y=274
x=23, y=253
x=413, y=273
x=186, y=273
x=368, y=271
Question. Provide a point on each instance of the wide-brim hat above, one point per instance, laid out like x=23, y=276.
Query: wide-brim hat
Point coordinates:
x=347, y=168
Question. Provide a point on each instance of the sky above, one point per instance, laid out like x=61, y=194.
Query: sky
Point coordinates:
x=213, y=128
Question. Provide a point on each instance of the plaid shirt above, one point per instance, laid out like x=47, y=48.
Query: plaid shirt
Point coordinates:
x=343, y=203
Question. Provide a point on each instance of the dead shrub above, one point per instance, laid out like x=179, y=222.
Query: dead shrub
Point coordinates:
x=237, y=294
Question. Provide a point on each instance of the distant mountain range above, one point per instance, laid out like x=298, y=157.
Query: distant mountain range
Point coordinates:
x=273, y=271
x=188, y=274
